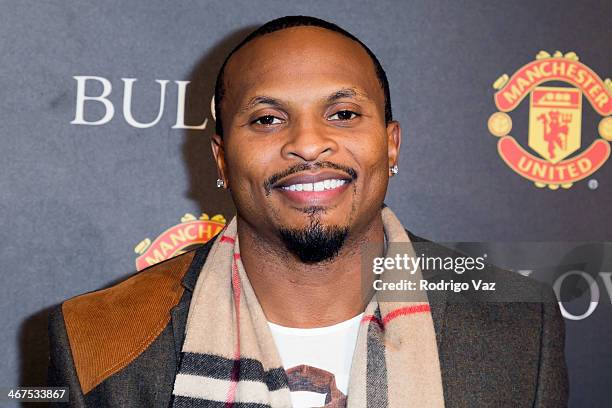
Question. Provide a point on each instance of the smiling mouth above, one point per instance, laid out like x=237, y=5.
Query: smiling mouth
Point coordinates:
x=328, y=184
x=319, y=189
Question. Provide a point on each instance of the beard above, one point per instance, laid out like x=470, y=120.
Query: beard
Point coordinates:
x=314, y=243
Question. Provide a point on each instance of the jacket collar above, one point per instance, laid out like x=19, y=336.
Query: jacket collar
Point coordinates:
x=191, y=277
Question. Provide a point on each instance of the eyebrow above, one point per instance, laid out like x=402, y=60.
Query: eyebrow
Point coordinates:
x=268, y=100
x=261, y=100
x=346, y=93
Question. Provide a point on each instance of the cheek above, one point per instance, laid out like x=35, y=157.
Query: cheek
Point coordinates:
x=247, y=162
x=371, y=152
x=373, y=158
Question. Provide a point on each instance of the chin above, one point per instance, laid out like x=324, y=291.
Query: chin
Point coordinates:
x=314, y=242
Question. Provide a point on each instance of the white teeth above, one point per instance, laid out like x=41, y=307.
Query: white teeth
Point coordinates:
x=328, y=184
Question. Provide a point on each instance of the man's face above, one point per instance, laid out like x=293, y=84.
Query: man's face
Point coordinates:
x=305, y=139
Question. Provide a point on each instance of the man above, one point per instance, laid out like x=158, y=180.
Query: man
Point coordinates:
x=273, y=312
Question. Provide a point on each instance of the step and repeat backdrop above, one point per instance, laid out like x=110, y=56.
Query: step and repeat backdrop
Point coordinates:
x=106, y=165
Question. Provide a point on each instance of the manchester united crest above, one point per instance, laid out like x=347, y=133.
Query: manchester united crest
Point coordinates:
x=555, y=120
x=179, y=238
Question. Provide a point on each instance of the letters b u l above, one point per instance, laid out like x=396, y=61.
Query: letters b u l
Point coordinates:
x=128, y=85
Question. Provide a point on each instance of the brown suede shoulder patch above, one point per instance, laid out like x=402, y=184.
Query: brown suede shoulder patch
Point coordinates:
x=109, y=328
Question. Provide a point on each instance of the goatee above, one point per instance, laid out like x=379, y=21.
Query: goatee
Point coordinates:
x=315, y=243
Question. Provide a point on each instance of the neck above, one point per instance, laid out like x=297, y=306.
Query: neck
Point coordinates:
x=294, y=294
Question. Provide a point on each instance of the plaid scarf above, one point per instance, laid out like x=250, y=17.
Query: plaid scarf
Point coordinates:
x=229, y=358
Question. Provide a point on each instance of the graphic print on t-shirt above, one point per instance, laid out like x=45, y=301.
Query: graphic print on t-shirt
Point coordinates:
x=312, y=379
x=317, y=361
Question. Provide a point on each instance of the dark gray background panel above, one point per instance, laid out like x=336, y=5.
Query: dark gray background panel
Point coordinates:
x=76, y=199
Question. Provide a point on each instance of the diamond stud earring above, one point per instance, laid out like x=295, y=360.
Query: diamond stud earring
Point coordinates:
x=394, y=170
x=220, y=183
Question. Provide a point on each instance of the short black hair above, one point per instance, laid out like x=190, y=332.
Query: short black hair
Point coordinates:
x=298, y=21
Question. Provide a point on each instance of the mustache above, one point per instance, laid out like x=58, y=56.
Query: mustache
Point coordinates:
x=275, y=178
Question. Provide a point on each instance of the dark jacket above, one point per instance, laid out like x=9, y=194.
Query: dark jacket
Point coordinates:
x=120, y=347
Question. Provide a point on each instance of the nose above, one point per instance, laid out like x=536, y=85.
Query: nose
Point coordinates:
x=309, y=140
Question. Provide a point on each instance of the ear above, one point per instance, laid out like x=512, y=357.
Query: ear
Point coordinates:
x=218, y=150
x=394, y=140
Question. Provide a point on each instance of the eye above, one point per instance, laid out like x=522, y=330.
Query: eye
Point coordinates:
x=266, y=120
x=343, y=115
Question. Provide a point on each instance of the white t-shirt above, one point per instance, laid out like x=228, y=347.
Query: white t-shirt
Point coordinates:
x=317, y=361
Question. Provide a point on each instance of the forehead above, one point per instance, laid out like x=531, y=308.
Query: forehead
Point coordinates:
x=300, y=59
